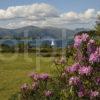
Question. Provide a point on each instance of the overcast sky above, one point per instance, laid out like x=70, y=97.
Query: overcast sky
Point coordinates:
x=54, y=13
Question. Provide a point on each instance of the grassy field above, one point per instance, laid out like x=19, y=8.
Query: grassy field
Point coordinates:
x=15, y=68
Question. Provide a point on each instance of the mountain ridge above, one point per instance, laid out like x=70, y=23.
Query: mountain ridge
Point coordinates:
x=35, y=32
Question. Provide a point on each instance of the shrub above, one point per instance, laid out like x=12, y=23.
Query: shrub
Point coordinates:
x=80, y=81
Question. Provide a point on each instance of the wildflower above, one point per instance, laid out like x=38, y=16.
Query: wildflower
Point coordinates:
x=78, y=56
x=44, y=77
x=94, y=93
x=85, y=70
x=73, y=68
x=94, y=57
x=74, y=80
x=78, y=40
x=25, y=87
x=92, y=41
x=34, y=76
x=35, y=86
x=48, y=93
x=80, y=94
x=98, y=50
x=91, y=47
x=85, y=37
x=97, y=80
x=81, y=91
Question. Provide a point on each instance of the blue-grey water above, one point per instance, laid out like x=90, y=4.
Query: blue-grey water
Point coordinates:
x=37, y=42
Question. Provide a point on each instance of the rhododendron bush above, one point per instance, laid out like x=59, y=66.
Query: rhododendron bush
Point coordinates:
x=80, y=81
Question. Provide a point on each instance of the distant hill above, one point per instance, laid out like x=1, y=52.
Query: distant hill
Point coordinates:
x=33, y=32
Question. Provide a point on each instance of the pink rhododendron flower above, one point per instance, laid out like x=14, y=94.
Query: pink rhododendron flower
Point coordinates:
x=73, y=68
x=92, y=41
x=97, y=80
x=43, y=76
x=98, y=50
x=74, y=80
x=94, y=57
x=81, y=94
x=85, y=70
x=94, y=93
x=91, y=47
x=81, y=91
x=48, y=93
x=85, y=37
x=34, y=76
x=78, y=40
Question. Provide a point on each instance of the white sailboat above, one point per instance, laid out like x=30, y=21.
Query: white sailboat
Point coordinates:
x=52, y=43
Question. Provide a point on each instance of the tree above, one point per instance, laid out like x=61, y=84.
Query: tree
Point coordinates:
x=98, y=26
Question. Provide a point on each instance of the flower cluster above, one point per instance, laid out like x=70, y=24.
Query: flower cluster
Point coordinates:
x=94, y=94
x=80, y=38
x=81, y=94
x=43, y=76
x=91, y=47
x=48, y=93
x=38, y=83
x=73, y=68
x=97, y=79
x=85, y=70
x=81, y=74
x=74, y=81
x=94, y=57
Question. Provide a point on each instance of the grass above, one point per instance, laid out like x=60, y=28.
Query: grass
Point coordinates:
x=15, y=68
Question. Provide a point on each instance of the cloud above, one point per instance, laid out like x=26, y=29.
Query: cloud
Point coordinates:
x=98, y=13
x=41, y=14
x=35, y=10
x=90, y=13
x=73, y=16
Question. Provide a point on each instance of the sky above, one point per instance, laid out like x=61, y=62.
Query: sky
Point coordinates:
x=54, y=13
